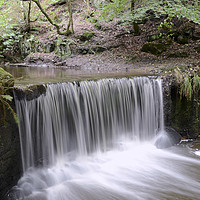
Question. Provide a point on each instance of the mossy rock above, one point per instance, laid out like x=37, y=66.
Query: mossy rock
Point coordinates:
x=86, y=36
x=154, y=48
x=6, y=79
x=178, y=55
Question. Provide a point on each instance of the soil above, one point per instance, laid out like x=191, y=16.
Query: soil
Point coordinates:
x=121, y=48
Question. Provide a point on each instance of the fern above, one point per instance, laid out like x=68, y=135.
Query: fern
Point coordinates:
x=186, y=88
x=196, y=83
x=4, y=98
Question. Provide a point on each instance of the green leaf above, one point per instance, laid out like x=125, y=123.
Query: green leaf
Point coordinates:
x=7, y=97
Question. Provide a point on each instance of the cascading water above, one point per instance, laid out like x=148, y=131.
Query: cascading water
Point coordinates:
x=94, y=140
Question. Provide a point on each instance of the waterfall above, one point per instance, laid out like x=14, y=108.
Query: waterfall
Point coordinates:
x=95, y=140
x=89, y=116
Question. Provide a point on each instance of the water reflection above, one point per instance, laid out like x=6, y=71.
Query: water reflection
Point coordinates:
x=37, y=75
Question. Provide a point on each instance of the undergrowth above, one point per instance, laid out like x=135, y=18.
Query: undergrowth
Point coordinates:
x=189, y=83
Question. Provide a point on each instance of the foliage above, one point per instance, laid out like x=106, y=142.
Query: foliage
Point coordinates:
x=6, y=84
x=171, y=8
x=110, y=10
x=189, y=82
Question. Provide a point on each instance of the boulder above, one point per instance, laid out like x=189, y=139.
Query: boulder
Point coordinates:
x=167, y=138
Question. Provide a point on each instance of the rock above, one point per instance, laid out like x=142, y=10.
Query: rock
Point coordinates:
x=10, y=159
x=178, y=55
x=86, y=36
x=6, y=79
x=32, y=92
x=167, y=138
x=154, y=48
x=41, y=59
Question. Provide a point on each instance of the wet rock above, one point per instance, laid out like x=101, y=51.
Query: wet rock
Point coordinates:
x=185, y=115
x=10, y=156
x=167, y=138
x=154, y=48
x=31, y=92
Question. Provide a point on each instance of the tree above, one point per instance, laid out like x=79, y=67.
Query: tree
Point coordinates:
x=70, y=28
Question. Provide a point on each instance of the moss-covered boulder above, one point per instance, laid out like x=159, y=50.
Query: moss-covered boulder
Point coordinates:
x=154, y=48
x=86, y=36
x=6, y=79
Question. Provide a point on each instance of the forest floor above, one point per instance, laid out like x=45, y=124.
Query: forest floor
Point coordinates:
x=120, y=49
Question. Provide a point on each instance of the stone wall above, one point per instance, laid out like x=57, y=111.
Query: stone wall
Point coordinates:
x=10, y=156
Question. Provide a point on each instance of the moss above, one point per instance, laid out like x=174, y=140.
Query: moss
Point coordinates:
x=185, y=117
x=154, y=48
x=6, y=79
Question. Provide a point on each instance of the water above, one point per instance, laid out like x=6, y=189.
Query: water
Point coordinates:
x=95, y=140
x=42, y=75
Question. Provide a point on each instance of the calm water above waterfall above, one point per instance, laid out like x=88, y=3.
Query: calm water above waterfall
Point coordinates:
x=95, y=141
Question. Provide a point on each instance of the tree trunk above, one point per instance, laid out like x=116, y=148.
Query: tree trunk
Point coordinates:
x=67, y=32
x=135, y=25
x=29, y=17
x=70, y=23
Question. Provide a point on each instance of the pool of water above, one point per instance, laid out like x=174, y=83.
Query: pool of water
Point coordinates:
x=40, y=75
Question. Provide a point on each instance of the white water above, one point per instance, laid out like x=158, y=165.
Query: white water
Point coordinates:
x=94, y=141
